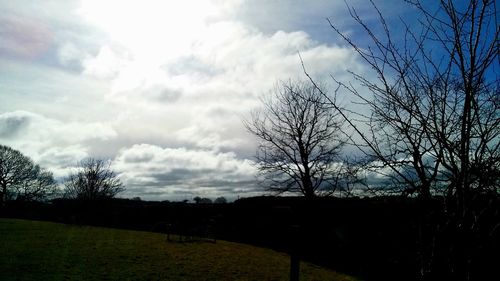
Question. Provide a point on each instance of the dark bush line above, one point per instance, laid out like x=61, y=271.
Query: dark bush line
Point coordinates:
x=375, y=238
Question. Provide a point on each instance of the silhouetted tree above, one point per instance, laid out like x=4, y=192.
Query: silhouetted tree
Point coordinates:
x=205, y=201
x=220, y=200
x=200, y=200
x=21, y=179
x=299, y=140
x=434, y=125
x=93, y=180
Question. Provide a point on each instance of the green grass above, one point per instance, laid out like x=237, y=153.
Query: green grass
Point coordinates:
x=32, y=250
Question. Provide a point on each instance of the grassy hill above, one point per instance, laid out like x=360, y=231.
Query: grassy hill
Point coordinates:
x=32, y=250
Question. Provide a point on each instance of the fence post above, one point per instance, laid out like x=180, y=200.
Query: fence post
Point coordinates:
x=294, y=253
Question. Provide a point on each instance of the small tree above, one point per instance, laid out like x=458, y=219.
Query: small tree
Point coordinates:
x=21, y=179
x=94, y=180
x=299, y=140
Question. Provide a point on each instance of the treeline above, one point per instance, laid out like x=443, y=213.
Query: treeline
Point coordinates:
x=23, y=180
x=374, y=238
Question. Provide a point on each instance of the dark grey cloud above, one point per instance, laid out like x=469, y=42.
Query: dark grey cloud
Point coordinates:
x=289, y=16
x=11, y=124
x=192, y=65
x=160, y=93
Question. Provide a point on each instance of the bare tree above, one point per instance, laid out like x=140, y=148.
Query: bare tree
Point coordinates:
x=94, y=180
x=21, y=179
x=434, y=123
x=434, y=118
x=299, y=140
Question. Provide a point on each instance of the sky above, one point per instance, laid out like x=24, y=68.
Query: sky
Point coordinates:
x=160, y=88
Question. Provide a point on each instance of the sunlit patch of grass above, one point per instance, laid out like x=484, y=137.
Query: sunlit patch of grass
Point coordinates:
x=32, y=250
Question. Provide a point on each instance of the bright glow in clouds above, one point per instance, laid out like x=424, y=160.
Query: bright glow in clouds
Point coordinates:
x=145, y=37
x=171, y=25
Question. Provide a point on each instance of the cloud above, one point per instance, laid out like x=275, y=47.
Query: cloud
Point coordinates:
x=178, y=172
x=224, y=70
x=47, y=33
x=69, y=55
x=54, y=144
x=221, y=57
x=214, y=128
x=23, y=38
x=39, y=128
x=105, y=65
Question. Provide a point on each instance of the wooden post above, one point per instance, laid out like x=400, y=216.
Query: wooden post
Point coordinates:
x=294, y=253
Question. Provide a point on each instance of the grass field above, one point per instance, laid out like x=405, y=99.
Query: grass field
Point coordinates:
x=32, y=250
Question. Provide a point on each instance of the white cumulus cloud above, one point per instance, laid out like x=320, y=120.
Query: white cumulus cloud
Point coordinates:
x=55, y=144
x=152, y=172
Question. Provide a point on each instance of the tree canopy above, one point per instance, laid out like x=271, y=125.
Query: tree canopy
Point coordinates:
x=93, y=180
x=21, y=179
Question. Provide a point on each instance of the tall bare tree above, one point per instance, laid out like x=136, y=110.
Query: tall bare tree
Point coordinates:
x=299, y=140
x=21, y=179
x=94, y=180
x=434, y=121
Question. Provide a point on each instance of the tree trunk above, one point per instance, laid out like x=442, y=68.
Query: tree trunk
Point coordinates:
x=307, y=186
x=3, y=195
